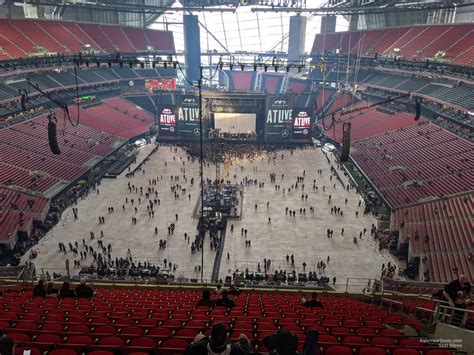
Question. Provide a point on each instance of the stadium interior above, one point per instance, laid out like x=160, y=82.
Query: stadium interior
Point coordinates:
x=290, y=150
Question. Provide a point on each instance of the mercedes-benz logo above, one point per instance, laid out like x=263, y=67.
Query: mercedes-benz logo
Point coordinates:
x=285, y=133
x=197, y=131
x=305, y=131
x=171, y=129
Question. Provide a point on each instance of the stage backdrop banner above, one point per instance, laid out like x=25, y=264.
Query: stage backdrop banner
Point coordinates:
x=278, y=118
x=302, y=122
x=235, y=122
x=167, y=120
x=187, y=114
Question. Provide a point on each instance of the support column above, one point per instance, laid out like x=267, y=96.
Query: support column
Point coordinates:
x=296, y=38
x=192, y=46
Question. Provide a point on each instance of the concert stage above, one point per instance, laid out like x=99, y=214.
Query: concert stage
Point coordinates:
x=288, y=118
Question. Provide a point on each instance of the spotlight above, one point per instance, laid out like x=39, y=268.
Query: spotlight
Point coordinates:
x=231, y=66
x=130, y=64
x=287, y=68
x=142, y=65
x=221, y=65
x=98, y=64
x=165, y=65
x=175, y=64
x=153, y=65
x=242, y=66
x=109, y=64
x=276, y=68
x=87, y=63
x=265, y=67
x=254, y=66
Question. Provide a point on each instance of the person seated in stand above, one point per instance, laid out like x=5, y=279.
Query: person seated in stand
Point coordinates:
x=218, y=344
x=225, y=301
x=51, y=291
x=313, y=302
x=453, y=289
x=83, y=290
x=218, y=290
x=7, y=346
x=39, y=290
x=205, y=299
x=234, y=291
x=284, y=342
x=66, y=291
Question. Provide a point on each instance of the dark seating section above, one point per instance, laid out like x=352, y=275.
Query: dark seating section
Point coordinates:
x=167, y=321
x=461, y=95
x=66, y=78
x=441, y=231
x=24, y=38
x=452, y=42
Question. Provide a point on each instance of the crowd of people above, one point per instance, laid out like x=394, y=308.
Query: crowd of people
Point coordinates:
x=81, y=291
x=139, y=196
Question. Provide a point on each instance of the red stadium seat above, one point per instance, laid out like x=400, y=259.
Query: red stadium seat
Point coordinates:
x=326, y=338
x=160, y=333
x=372, y=351
x=406, y=352
x=338, y=350
x=25, y=325
x=186, y=333
x=382, y=341
x=352, y=339
x=365, y=331
x=62, y=352
x=105, y=330
x=80, y=340
x=143, y=342
x=134, y=331
x=78, y=328
x=112, y=341
x=48, y=338
x=19, y=337
x=175, y=344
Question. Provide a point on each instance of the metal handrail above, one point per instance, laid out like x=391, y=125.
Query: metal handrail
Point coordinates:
x=443, y=313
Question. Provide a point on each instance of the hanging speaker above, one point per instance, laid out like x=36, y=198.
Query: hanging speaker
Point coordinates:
x=53, y=141
x=346, y=141
x=417, y=110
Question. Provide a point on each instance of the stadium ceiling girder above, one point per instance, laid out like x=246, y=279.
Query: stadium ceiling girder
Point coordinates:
x=126, y=7
x=369, y=9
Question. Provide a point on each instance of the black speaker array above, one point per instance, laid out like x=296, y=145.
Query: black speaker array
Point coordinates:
x=417, y=110
x=52, y=138
x=346, y=141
